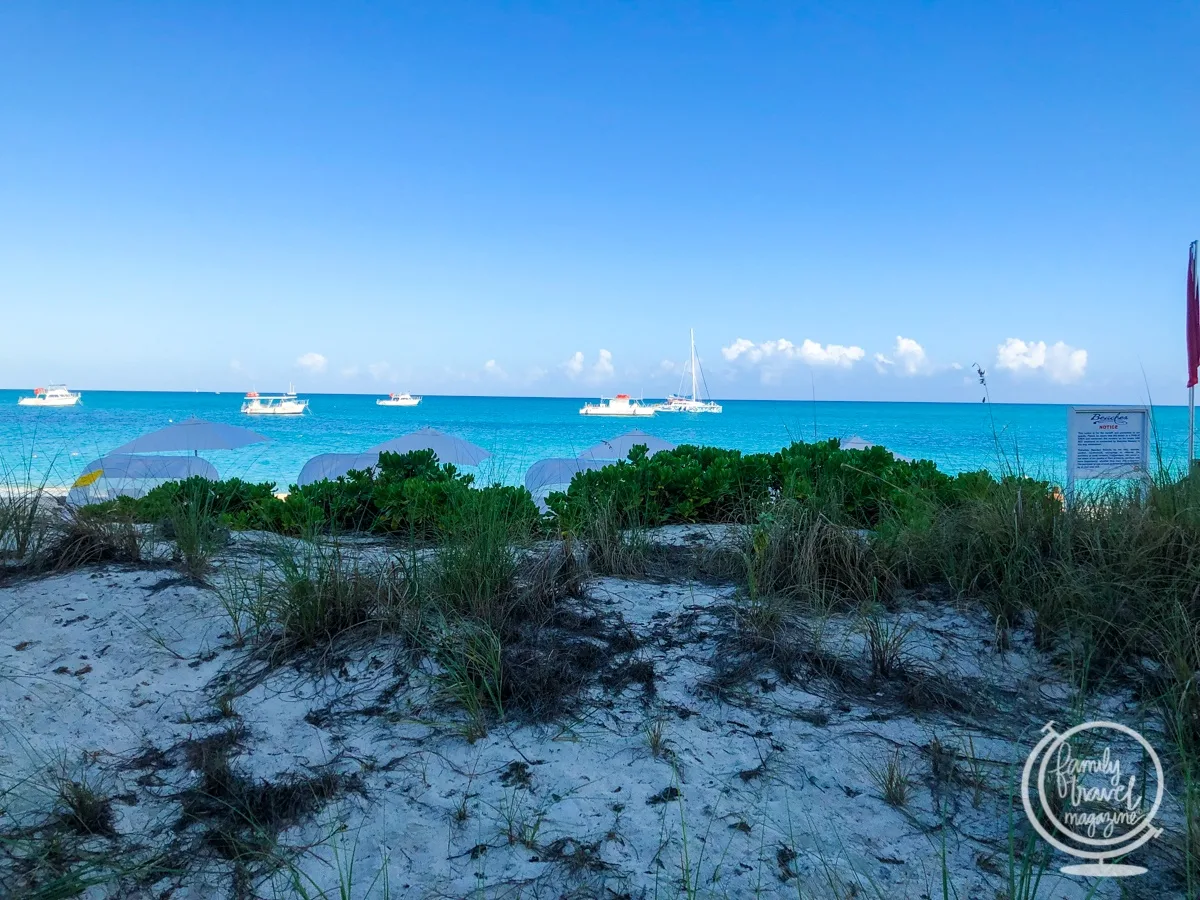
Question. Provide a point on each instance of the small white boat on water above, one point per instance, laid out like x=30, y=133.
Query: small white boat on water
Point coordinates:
x=620, y=405
x=401, y=399
x=692, y=404
x=256, y=404
x=55, y=395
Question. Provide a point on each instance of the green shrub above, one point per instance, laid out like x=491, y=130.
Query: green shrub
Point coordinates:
x=239, y=503
x=406, y=494
x=710, y=484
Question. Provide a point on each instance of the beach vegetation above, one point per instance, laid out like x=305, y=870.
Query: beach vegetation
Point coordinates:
x=304, y=597
x=83, y=536
x=1108, y=581
x=408, y=495
x=25, y=522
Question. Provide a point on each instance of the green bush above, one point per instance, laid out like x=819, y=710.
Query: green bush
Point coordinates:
x=406, y=494
x=238, y=503
x=710, y=484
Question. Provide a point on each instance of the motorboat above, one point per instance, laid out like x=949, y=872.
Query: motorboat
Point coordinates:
x=55, y=395
x=401, y=399
x=620, y=405
x=693, y=404
x=256, y=404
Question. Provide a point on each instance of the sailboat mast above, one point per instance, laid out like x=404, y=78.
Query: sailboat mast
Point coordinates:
x=693, y=331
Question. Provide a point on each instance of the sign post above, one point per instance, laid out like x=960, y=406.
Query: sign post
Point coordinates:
x=1106, y=442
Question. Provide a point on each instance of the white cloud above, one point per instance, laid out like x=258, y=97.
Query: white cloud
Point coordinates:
x=314, y=362
x=911, y=356
x=908, y=358
x=493, y=369
x=603, y=367
x=669, y=366
x=783, y=350
x=600, y=370
x=1061, y=362
x=350, y=372
x=737, y=348
x=235, y=365
x=574, y=365
x=380, y=371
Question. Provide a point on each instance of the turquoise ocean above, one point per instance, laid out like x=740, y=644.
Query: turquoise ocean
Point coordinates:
x=56, y=444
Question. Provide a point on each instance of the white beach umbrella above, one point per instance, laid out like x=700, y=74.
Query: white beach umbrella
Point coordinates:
x=330, y=466
x=194, y=435
x=448, y=448
x=555, y=471
x=857, y=443
x=545, y=475
x=619, y=447
x=132, y=476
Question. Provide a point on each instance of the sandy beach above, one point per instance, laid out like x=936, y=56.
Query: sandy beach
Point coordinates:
x=679, y=764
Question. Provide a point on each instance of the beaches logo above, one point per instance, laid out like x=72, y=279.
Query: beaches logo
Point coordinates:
x=1111, y=418
x=1098, y=787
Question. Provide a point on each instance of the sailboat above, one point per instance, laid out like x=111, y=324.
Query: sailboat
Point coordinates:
x=692, y=404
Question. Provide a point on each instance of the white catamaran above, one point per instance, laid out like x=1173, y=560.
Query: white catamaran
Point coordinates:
x=256, y=404
x=692, y=404
x=620, y=405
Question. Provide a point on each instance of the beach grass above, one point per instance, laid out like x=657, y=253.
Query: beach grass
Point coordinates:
x=467, y=575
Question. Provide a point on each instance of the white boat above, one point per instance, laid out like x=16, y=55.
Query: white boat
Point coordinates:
x=692, y=404
x=402, y=399
x=620, y=405
x=55, y=395
x=256, y=404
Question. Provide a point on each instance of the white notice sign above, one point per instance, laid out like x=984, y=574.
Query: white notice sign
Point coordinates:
x=1108, y=442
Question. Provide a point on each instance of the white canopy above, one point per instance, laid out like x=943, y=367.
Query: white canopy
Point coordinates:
x=857, y=443
x=133, y=476
x=547, y=475
x=448, y=448
x=556, y=471
x=619, y=447
x=334, y=465
x=174, y=468
x=193, y=435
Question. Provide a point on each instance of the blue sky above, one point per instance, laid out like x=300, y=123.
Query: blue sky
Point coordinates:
x=518, y=198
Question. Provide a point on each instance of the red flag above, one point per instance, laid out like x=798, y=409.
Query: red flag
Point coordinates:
x=1193, y=318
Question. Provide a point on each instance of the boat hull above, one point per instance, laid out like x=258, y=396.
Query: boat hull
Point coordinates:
x=698, y=407
x=275, y=412
x=640, y=412
x=54, y=401
x=397, y=402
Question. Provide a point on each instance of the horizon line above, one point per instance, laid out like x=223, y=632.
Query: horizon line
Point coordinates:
x=586, y=397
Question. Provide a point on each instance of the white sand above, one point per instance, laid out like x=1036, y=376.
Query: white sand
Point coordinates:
x=766, y=792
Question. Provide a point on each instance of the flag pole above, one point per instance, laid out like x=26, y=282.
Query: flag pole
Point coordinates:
x=1193, y=348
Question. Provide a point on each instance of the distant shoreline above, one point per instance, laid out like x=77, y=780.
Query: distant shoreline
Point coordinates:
x=581, y=398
